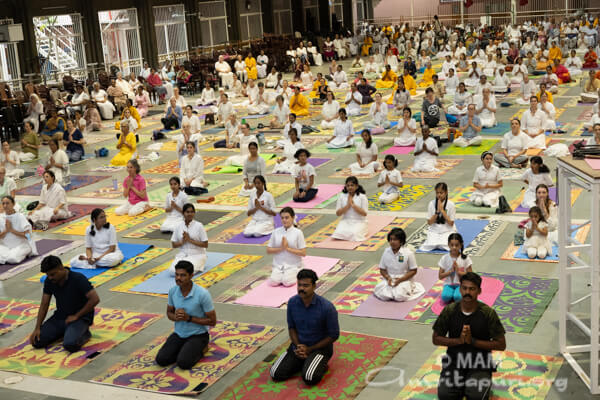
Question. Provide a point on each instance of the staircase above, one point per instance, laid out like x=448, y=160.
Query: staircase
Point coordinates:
x=60, y=57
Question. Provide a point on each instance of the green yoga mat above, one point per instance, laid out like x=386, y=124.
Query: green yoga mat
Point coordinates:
x=486, y=145
x=160, y=194
x=460, y=198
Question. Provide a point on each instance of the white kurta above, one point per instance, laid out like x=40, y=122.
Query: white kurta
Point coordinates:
x=378, y=117
x=534, y=180
x=488, y=118
x=397, y=265
x=340, y=81
x=188, y=251
x=537, y=245
x=365, y=156
x=534, y=123
x=437, y=234
x=106, y=108
x=261, y=223
x=285, y=264
x=289, y=150
x=389, y=192
x=240, y=159
x=329, y=112
x=174, y=217
x=51, y=198
x=100, y=243
x=12, y=171
x=352, y=226
x=486, y=197
x=192, y=169
x=14, y=249
x=425, y=162
x=405, y=137
x=343, y=135
x=194, y=121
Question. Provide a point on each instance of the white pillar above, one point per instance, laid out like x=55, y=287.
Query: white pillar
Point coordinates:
x=412, y=13
x=513, y=11
x=462, y=13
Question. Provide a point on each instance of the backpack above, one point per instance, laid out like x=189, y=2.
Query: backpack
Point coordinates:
x=503, y=206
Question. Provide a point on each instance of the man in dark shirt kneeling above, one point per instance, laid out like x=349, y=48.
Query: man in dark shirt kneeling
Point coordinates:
x=471, y=330
x=75, y=301
x=313, y=326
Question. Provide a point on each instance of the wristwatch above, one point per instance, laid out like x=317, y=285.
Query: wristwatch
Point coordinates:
x=189, y=318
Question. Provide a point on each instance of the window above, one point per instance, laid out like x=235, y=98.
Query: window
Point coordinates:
x=171, y=35
x=250, y=19
x=213, y=18
x=59, y=43
x=121, y=40
x=282, y=17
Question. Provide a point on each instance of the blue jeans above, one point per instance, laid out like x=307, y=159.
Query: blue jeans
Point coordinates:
x=74, y=155
x=451, y=292
x=74, y=334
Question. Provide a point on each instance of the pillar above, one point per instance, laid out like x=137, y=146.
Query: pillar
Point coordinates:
x=324, y=16
x=147, y=32
x=266, y=7
x=298, y=15
x=349, y=15
x=192, y=24
x=233, y=20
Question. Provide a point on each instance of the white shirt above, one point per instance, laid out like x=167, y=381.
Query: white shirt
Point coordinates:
x=446, y=263
x=262, y=59
x=222, y=67
x=196, y=232
x=462, y=99
x=360, y=200
x=303, y=174
x=574, y=63
x=54, y=196
x=12, y=156
x=485, y=113
x=343, y=128
x=100, y=243
x=395, y=177
x=282, y=113
x=180, y=200
x=295, y=240
x=194, y=122
x=20, y=224
x=550, y=110
x=287, y=127
x=450, y=211
x=514, y=144
x=366, y=154
x=398, y=264
x=267, y=201
x=487, y=176
x=330, y=110
x=60, y=157
x=378, y=117
x=452, y=82
x=192, y=169
x=79, y=98
x=354, y=107
x=239, y=65
x=339, y=77
x=225, y=110
x=9, y=185
x=535, y=179
x=533, y=122
x=527, y=89
x=99, y=95
x=208, y=95
x=181, y=141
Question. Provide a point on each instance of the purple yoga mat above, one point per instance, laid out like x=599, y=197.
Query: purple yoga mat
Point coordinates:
x=374, y=308
x=314, y=161
x=44, y=246
x=551, y=193
x=241, y=239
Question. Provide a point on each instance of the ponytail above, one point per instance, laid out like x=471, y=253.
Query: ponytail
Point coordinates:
x=458, y=236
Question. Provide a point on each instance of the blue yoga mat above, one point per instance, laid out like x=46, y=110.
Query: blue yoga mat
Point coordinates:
x=499, y=129
x=162, y=282
x=468, y=228
x=129, y=250
x=522, y=254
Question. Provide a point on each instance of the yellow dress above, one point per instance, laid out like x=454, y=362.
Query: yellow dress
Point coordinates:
x=554, y=53
x=427, y=78
x=539, y=94
x=410, y=84
x=388, y=80
x=299, y=105
x=251, y=67
x=367, y=44
x=125, y=154
x=314, y=94
x=134, y=113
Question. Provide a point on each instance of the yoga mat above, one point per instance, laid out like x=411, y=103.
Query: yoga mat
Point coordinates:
x=453, y=150
x=442, y=166
x=230, y=344
x=164, y=281
x=375, y=224
x=460, y=196
x=205, y=217
x=399, y=150
x=241, y=239
x=499, y=130
x=326, y=191
x=77, y=211
x=152, y=230
x=490, y=290
x=356, y=360
x=551, y=194
x=593, y=163
x=45, y=247
x=314, y=161
x=519, y=376
x=16, y=312
x=77, y=181
x=409, y=194
x=160, y=194
x=468, y=228
x=111, y=327
x=265, y=295
x=372, y=307
x=231, y=197
x=108, y=191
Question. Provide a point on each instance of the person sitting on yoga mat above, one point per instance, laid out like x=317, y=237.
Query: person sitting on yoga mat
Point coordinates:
x=452, y=267
x=134, y=190
x=470, y=330
x=254, y=165
x=8, y=187
x=352, y=205
x=191, y=308
x=174, y=202
x=191, y=172
x=407, y=129
x=52, y=205
x=441, y=215
x=537, y=173
x=537, y=243
x=312, y=344
x=343, y=133
x=304, y=177
x=487, y=182
x=398, y=267
x=533, y=122
x=470, y=126
x=75, y=301
x=58, y=163
x=286, y=163
x=10, y=160
x=292, y=123
x=288, y=247
x=173, y=116
x=513, y=147
x=366, y=156
x=426, y=152
x=16, y=242
x=101, y=247
x=549, y=211
x=191, y=240
x=261, y=207
x=127, y=146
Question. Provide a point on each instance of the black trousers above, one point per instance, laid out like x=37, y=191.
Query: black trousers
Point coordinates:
x=310, y=194
x=457, y=384
x=194, y=190
x=313, y=368
x=186, y=352
x=170, y=123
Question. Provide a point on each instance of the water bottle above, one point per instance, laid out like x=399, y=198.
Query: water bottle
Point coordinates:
x=115, y=184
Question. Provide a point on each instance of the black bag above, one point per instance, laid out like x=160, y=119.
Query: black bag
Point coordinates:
x=503, y=206
x=31, y=206
x=209, y=119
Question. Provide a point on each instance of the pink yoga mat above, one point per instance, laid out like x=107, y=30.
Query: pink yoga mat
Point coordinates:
x=399, y=150
x=268, y=296
x=326, y=191
x=376, y=223
x=593, y=162
x=490, y=290
x=375, y=308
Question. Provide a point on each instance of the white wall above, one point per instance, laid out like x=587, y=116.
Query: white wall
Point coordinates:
x=401, y=8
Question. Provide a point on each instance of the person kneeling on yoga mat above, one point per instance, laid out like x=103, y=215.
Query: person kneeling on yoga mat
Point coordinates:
x=191, y=308
x=312, y=343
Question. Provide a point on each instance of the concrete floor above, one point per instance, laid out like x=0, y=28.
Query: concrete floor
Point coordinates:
x=543, y=340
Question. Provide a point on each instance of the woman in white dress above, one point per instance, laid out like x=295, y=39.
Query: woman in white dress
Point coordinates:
x=343, y=133
x=352, y=205
x=191, y=172
x=398, y=266
x=441, y=215
x=536, y=174
x=286, y=163
x=366, y=156
x=105, y=107
x=207, y=97
x=329, y=112
x=379, y=115
x=280, y=113
x=288, y=247
x=550, y=111
x=244, y=140
x=549, y=211
x=487, y=182
x=574, y=64
x=52, y=205
x=489, y=66
x=501, y=81
x=407, y=129
x=240, y=69
x=306, y=77
x=537, y=243
x=16, y=242
x=519, y=71
x=101, y=247
x=191, y=240
x=391, y=179
x=193, y=120
x=253, y=166
x=486, y=109
x=401, y=98
x=271, y=81
x=10, y=160
x=174, y=202
x=451, y=82
x=34, y=111
x=426, y=152
x=261, y=207
x=473, y=75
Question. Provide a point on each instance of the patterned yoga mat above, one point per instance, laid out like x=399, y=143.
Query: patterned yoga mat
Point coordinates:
x=231, y=196
x=209, y=278
x=346, y=172
x=486, y=145
x=519, y=376
x=155, y=226
x=355, y=358
x=109, y=192
x=230, y=344
x=120, y=269
x=443, y=165
x=461, y=195
x=160, y=194
x=77, y=181
x=517, y=200
x=16, y=312
x=172, y=167
x=77, y=211
x=325, y=282
x=409, y=194
x=111, y=327
x=371, y=244
x=226, y=234
x=120, y=222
